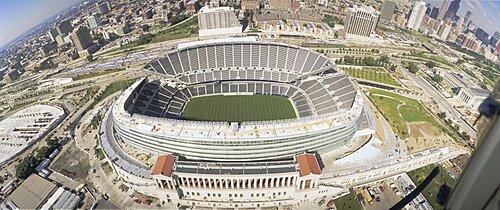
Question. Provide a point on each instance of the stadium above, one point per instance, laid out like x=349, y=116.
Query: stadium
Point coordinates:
x=240, y=101
x=235, y=115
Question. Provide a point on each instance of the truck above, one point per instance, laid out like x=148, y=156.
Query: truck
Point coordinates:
x=367, y=196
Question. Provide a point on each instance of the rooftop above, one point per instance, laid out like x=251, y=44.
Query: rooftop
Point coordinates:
x=480, y=92
x=32, y=193
x=163, y=165
x=308, y=164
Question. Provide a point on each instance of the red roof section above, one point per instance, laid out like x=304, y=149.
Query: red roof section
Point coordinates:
x=164, y=165
x=308, y=164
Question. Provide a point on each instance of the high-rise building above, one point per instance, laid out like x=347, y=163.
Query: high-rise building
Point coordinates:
x=482, y=35
x=64, y=27
x=434, y=13
x=218, y=21
x=444, y=29
x=467, y=17
x=361, y=21
x=493, y=41
x=52, y=34
x=104, y=7
x=93, y=21
x=453, y=9
x=388, y=8
x=497, y=35
x=416, y=16
x=443, y=9
x=469, y=41
x=82, y=38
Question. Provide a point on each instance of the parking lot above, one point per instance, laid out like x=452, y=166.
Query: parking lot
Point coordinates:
x=377, y=195
x=383, y=194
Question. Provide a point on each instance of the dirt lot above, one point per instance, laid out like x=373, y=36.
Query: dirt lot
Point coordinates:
x=424, y=136
x=73, y=163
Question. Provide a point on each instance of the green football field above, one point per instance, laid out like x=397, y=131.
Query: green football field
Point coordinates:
x=238, y=108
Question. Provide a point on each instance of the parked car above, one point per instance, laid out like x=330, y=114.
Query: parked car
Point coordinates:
x=137, y=200
x=146, y=201
x=330, y=203
x=321, y=202
x=381, y=188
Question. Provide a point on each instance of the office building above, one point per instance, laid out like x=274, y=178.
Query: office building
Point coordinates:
x=104, y=7
x=11, y=75
x=388, y=8
x=322, y=3
x=218, y=21
x=52, y=34
x=467, y=17
x=497, y=35
x=470, y=42
x=452, y=9
x=444, y=30
x=82, y=39
x=64, y=27
x=443, y=9
x=93, y=21
x=416, y=16
x=434, y=13
x=250, y=4
x=280, y=4
x=361, y=21
x=482, y=35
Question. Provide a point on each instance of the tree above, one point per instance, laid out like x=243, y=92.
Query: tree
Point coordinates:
x=384, y=59
x=42, y=152
x=430, y=64
x=393, y=68
x=437, y=78
x=412, y=68
x=90, y=57
x=145, y=38
x=26, y=167
x=368, y=61
x=348, y=60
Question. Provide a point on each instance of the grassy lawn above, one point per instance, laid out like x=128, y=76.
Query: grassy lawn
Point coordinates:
x=130, y=47
x=183, y=29
x=418, y=175
x=116, y=86
x=348, y=201
x=411, y=111
x=100, y=154
x=95, y=73
x=373, y=74
x=238, y=108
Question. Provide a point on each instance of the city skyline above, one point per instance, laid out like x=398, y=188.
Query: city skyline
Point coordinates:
x=34, y=13
x=39, y=11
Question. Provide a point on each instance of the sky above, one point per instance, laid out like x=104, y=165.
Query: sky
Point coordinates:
x=485, y=13
x=18, y=16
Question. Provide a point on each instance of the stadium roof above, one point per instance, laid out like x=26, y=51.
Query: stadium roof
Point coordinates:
x=32, y=193
x=163, y=165
x=308, y=164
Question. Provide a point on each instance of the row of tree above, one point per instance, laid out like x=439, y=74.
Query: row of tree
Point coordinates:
x=27, y=166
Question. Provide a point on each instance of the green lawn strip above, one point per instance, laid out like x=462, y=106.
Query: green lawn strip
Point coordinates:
x=348, y=201
x=418, y=175
x=373, y=74
x=100, y=154
x=238, y=108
